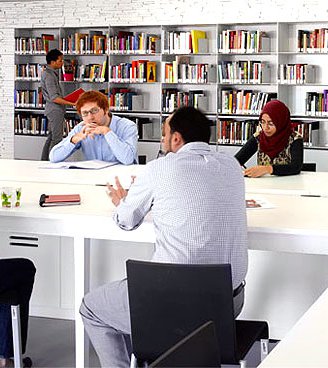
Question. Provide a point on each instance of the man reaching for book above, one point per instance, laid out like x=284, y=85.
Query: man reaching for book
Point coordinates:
x=55, y=103
x=101, y=135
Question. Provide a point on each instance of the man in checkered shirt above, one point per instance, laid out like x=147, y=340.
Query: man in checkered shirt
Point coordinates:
x=197, y=200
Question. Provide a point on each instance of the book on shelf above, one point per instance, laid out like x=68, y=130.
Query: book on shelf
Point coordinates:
x=196, y=35
x=235, y=131
x=296, y=73
x=46, y=38
x=309, y=131
x=74, y=96
x=151, y=71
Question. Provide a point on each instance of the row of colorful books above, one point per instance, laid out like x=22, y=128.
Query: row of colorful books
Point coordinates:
x=238, y=132
x=249, y=71
x=136, y=71
x=296, y=73
x=34, y=45
x=309, y=131
x=124, y=99
x=87, y=72
x=93, y=42
x=187, y=73
x=29, y=71
x=316, y=103
x=29, y=98
x=30, y=124
x=312, y=41
x=185, y=42
x=38, y=124
x=243, y=41
x=172, y=99
x=244, y=101
x=134, y=43
x=235, y=132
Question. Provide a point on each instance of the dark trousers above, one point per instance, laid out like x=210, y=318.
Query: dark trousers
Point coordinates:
x=16, y=274
x=55, y=126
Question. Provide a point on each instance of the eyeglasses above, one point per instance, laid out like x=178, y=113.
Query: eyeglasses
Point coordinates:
x=92, y=111
x=269, y=124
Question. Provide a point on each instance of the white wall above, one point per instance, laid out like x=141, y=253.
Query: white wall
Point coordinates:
x=74, y=13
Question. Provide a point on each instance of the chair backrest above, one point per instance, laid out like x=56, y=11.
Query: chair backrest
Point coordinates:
x=199, y=349
x=142, y=159
x=9, y=297
x=309, y=166
x=169, y=301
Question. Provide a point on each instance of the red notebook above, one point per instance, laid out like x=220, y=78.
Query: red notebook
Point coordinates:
x=59, y=200
x=73, y=97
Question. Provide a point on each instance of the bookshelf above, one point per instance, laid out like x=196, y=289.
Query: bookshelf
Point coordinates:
x=228, y=70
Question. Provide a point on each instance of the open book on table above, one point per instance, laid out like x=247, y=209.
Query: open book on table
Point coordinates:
x=89, y=164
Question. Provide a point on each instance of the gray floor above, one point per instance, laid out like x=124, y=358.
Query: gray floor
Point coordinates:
x=51, y=344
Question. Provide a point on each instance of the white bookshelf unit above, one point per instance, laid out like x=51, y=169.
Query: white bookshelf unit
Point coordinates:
x=227, y=70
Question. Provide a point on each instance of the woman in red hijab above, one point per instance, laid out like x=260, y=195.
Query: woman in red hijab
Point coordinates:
x=279, y=148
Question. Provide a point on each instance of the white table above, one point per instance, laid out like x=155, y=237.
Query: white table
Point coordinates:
x=90, y=220
x=306, y=344
x=305, y=183
x=31, y=171
x=296, y=225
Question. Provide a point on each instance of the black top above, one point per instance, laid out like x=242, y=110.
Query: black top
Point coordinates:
x=296, y=152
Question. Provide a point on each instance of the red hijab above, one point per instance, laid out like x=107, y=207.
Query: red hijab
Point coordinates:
x=280, y=116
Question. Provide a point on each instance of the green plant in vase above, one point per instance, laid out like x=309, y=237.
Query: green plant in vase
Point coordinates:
x=6, y=199
x=18, y=197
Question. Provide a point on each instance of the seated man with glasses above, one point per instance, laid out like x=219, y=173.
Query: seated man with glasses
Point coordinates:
x=101, y=135
x=279, y=148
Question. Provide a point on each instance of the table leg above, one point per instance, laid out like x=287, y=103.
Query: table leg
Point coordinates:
x=82, y=285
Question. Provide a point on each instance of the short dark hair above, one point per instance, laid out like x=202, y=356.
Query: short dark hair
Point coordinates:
x=192, y=124
x=53, y=55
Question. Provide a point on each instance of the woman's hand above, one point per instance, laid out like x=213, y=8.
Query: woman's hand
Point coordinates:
x=257, y=171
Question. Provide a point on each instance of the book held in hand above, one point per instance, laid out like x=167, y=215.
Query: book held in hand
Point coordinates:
x=74, y=96
x=59, y=200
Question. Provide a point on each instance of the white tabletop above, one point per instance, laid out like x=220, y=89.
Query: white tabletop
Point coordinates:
x=306, y=344
x=291, y=216
x=32, y=171
x=304, y=183
x=26, y=170
x=91, y=219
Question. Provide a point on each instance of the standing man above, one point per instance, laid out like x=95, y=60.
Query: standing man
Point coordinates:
x=55, y=103
x=197, y=200
x=101, y=135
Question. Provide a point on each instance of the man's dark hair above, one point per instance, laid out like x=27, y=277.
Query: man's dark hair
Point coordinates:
x=192, y=124
x=53, y=55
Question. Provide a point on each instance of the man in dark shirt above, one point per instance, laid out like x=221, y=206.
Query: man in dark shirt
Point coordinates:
x=55, y=103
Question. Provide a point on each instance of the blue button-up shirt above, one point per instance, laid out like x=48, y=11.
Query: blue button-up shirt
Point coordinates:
x=119, y=144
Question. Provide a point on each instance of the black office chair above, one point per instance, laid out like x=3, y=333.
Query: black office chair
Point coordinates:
x=199, y=349
x=11, y=298
x=309, y=166
x=168, y=301
x=142, y=159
